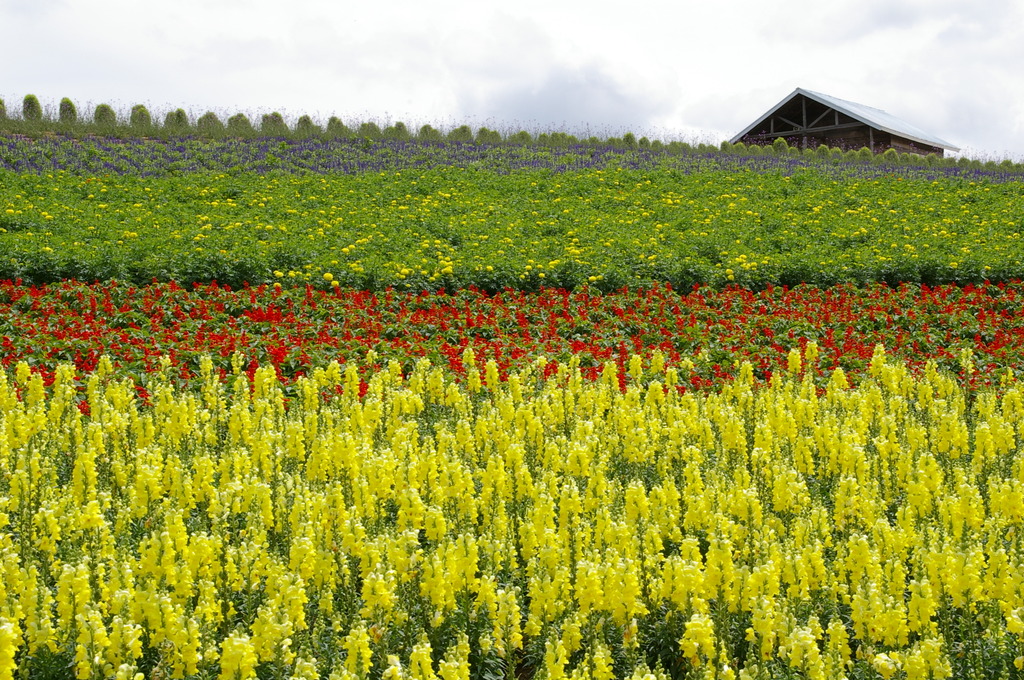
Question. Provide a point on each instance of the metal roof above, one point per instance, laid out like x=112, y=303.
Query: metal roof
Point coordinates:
x=876, y=118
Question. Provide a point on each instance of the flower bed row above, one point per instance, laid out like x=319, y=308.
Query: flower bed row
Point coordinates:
x=294, y=329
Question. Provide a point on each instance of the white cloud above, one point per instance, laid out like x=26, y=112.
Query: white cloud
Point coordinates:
x=949, y=67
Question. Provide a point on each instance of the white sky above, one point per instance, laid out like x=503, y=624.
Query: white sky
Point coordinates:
x=673, y=69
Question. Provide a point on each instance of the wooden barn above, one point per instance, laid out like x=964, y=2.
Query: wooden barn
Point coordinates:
x=809, y=119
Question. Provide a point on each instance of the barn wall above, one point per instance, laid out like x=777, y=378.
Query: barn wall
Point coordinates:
x=851, y=138
x=906, y=146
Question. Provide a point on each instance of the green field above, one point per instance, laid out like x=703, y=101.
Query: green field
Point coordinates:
x=455, y=226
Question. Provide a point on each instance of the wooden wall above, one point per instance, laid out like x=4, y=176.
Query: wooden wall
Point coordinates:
x=848, y=138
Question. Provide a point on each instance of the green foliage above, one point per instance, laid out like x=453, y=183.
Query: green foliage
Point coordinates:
x=104, y=116
x=521, y=137
x=369, y=130
x=865, y=154
x=31, y=109
x=563, y=139
x=176, y=121
x=66, y=112
x=337, y=129
x=463, y=133
x=629, y=139
x=492, y=229
x=780, y=145
x=486, y=136
x=273, y=125
x=239, y=125
x=397, y=131
x=429, y=134
x=305, y=127
x=209, y=124
x=140, y=118
x=3, y=109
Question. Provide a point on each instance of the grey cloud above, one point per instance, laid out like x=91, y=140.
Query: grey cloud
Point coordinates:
x=833, y=24
x=29, y=8
x=580, y=100
x=731, y=112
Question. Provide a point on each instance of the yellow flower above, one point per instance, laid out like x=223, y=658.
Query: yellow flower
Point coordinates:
x=10, y=642
x=885, y=665
x=699, y=638
x=237, y=658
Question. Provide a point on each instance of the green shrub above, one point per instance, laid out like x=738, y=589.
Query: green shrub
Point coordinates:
x=823, y=150
x=104, y=116
x=140, y=118
x=780, y=145
x=273, y=124
x=644, y=143
x=66, y=112
x=369, y=130
x=562, y=139
x=176, y=121
x=239, y=125
x=31, y=110
x=521, y=137
x=429, y=134
x=397, y=131
x=209, y=124
x=336, y=128
x=864, y=154
x=305, y=127
x=629, y=139
x=3, y=109
x=486, y=136
x=463, y=133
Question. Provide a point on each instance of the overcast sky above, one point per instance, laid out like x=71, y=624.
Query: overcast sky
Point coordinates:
x=697, y=71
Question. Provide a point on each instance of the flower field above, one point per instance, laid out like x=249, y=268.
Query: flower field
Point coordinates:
x=295, y=330
x=369, y=410
x=452, y=227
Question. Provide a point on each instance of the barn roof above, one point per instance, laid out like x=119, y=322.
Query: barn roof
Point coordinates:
x=876, y=118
